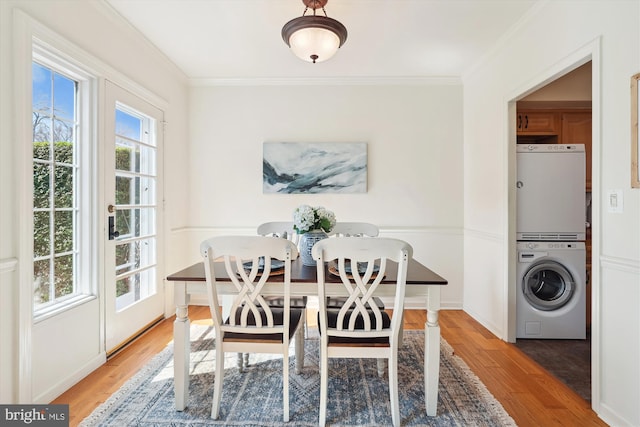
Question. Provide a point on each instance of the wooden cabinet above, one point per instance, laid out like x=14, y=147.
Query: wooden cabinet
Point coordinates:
x=538, y=123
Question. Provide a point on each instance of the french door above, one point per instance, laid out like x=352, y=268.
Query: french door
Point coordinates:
x=134, y=294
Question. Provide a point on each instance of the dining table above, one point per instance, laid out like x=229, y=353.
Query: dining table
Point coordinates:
x=421, y=282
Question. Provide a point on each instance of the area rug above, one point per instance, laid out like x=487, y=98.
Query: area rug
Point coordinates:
x=357, y=396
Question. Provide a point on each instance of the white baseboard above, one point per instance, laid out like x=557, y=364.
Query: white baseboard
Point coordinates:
x=55, y=391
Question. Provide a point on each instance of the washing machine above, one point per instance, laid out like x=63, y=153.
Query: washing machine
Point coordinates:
x=551, y=294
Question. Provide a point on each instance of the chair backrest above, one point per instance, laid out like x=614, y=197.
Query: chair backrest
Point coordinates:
x=371, y=256
x=283, y=229
x=248, y=261
x=355, y=229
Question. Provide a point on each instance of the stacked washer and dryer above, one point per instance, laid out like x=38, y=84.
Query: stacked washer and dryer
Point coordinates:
x=551, y=229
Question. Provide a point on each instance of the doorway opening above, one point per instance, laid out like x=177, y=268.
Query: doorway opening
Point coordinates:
x=561, y=113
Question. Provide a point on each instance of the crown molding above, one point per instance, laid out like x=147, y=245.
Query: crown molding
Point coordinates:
x=328, y=81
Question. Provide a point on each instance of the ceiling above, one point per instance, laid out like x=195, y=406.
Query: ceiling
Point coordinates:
x=240, y=39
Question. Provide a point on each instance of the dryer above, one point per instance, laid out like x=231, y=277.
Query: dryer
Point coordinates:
x=551, y=290
x=550, y=193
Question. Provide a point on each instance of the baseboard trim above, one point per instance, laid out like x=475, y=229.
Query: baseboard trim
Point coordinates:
x=59, y=388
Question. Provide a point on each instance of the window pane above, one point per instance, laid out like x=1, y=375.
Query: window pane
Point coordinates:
x=64, y=97
x=63, y=181
x=41, y=234
x=41, y=89
x=123, y=158
x=41, y=134
x=63, y=132
x=125, y=286
x=134, y=288
x=128, y=125
x=123, y=254
x=41, y=190
x=63, y=232
x=133, y=157
x=123, y=190
x=41, y=275
x=145, y=190
x=124, y=218
x=134, y=255
x=135, y=222
x=63, y=267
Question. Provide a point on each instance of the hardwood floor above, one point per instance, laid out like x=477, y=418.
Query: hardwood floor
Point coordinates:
x=527, y=392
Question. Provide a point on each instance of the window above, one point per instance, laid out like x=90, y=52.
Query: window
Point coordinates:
x=61, y=211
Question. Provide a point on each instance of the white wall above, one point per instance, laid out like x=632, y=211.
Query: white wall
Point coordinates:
x=66, y=352
x=557, y=36
x=414, y=138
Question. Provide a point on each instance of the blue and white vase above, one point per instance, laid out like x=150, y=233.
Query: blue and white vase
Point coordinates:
x=307, y=240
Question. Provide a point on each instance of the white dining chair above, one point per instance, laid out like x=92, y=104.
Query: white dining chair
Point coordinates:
x=360, y=329
x=354, y=229
x=283, y=229
x=253, y=326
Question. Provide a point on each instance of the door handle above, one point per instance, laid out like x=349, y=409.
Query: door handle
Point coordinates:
x=113, y=233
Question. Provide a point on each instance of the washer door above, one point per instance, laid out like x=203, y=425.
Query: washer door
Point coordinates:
x=548, y=285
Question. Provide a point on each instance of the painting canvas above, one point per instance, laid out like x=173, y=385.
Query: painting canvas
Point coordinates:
x=294, y=168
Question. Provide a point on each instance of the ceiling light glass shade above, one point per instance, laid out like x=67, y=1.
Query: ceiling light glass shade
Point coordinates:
x=314, y=38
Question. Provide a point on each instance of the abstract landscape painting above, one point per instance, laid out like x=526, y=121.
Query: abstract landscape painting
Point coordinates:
x=294, y=168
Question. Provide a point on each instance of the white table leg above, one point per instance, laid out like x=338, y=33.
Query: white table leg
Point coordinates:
x=181, y=346
x=432, y=351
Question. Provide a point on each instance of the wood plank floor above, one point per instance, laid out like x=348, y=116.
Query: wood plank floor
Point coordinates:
x=527, y=392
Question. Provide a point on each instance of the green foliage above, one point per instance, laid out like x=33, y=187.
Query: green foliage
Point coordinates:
x=58, y=163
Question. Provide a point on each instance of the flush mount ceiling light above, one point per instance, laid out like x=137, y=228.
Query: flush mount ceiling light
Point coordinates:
x=314, y=38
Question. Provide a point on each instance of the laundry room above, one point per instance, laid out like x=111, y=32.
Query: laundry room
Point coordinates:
x=553, y=233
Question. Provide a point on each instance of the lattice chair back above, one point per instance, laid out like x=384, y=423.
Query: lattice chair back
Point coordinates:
x=249, y=261
x=284, y=230
x=361, y=316
x=353, y=229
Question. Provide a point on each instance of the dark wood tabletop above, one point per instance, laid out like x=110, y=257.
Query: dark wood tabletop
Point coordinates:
x=417, y=274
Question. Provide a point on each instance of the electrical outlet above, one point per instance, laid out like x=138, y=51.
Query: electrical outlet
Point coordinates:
x=614, y=201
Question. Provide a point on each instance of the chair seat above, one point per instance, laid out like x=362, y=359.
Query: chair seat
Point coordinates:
x=278, y=318
x=338, y=302
x=332, y=322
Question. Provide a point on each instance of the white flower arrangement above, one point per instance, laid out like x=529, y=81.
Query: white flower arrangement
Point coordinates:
x=307, y=218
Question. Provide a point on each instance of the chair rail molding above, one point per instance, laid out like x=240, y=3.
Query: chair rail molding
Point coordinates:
x=621, y=264
x=8, y=265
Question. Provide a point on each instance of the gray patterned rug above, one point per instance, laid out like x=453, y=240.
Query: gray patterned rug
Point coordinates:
x=357, y=396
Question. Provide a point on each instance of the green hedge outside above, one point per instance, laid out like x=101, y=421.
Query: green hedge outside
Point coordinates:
x=60, y=163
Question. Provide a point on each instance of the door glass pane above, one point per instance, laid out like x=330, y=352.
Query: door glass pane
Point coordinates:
x=135, y=215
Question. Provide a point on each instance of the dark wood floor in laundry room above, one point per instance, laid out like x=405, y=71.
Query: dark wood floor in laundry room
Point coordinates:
x=567, y=360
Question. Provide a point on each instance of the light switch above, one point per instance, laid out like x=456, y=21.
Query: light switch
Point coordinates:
x=615, y=202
